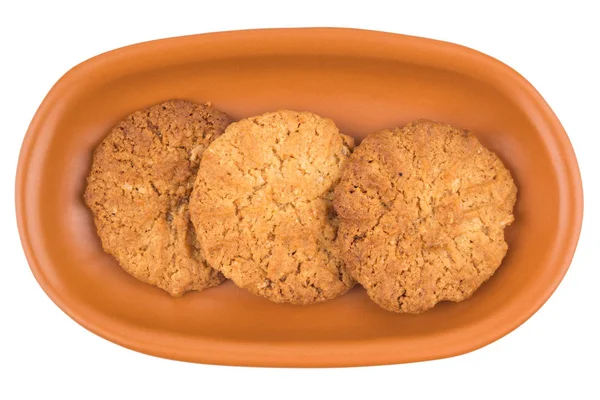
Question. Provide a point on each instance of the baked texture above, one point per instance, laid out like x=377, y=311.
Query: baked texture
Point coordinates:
x=138, y=190
x=262, y=206
x=422, y=215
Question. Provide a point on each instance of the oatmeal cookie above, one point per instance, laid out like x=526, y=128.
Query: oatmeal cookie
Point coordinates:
x=139, y=187
x=422, y=213
x=262, y=206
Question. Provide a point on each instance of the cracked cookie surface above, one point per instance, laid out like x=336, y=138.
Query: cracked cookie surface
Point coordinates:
x=422, y=215
x=139, y=187
x=262, y=206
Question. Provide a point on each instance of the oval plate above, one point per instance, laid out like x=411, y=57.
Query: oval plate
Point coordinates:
x=364, y=81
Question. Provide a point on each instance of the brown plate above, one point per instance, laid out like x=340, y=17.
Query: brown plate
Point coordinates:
x=364, y=81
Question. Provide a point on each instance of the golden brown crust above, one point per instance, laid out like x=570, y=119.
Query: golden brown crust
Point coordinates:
x=262, y=206
x=422, y=215
x=138, y=189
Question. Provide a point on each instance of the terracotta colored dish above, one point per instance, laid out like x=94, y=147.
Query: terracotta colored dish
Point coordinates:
x=364, y=81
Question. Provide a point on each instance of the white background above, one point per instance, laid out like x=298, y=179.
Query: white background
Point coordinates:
x=44, y=353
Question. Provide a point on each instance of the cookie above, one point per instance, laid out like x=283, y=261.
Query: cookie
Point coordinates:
x=262, y=206
x=422, y=215
x=139, y=187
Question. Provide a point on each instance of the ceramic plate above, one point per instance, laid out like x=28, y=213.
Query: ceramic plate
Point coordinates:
x=364, y=81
